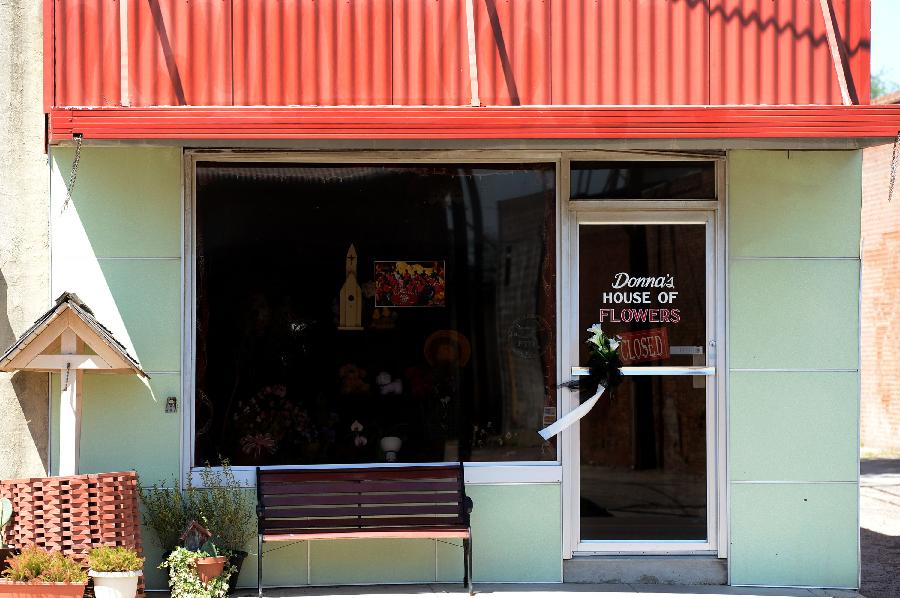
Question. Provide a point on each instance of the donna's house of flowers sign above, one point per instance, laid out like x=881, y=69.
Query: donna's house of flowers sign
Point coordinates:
x=631, y=297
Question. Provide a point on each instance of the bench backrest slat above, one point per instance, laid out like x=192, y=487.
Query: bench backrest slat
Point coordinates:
x=358, y=511
x=361, y=498
x=291, y=500
x=353, y=522
x=361, y=487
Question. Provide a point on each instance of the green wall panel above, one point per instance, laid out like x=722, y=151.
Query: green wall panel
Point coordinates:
x=128, y=199
x=787, y=313
x=794, y=314
x=450, y=559
x=147, y=294
x=794, y=534
x=124, y=425
x=794, y=203
x=154, y=577
x=284, y=564
x=371, y=561
x=794, y=426
x=517, y=532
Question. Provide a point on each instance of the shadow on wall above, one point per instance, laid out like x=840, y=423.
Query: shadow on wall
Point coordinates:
x=30, y=388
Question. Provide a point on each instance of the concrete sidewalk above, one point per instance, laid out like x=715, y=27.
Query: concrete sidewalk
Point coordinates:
x=547, y=591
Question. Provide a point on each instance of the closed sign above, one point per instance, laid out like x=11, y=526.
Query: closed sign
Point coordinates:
x=644, y=345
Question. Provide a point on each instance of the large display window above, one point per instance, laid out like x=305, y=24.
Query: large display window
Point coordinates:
x=350, y=313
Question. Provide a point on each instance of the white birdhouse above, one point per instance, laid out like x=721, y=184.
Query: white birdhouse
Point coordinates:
x=351, y=296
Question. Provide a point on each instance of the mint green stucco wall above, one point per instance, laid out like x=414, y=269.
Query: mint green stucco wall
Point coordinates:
x=118, y=246
x=793, y=270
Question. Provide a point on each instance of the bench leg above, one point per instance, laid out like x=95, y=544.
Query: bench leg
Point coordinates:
x=467, y=565
x=259, y=557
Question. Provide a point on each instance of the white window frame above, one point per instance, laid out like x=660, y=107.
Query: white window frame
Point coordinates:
x=640, y=211
x=476, y=472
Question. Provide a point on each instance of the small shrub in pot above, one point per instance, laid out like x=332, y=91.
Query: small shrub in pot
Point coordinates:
x=39, y=573
x=115, y=570
x=219, y=502
x=184, y=580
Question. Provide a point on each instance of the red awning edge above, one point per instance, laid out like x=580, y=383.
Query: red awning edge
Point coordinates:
x=569, y=122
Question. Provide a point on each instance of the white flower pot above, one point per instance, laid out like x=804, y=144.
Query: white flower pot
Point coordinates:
x=115, y=585
x=391, y=446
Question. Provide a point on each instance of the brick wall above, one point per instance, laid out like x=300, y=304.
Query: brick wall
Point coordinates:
x=880, y=398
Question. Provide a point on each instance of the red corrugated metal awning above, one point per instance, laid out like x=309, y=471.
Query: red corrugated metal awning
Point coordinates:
x=557, y=122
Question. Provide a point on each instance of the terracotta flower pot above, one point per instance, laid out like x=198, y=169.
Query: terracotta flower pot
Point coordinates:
x=41, y=589
x=210, y=567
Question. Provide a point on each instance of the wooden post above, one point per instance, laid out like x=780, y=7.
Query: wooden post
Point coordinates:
x=70, y=381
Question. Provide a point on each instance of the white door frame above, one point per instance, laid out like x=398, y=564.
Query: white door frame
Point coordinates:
x=710, y=214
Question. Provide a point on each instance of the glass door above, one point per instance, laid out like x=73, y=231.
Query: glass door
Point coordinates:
x=646, y=452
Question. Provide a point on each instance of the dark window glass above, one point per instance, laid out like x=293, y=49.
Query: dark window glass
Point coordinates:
x=643, y=180
x=453, y=272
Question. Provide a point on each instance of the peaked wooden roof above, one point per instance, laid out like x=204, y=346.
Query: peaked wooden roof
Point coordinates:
x=69, y=312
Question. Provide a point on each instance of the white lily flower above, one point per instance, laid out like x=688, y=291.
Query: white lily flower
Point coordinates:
x=595, y=330
x=613, y=343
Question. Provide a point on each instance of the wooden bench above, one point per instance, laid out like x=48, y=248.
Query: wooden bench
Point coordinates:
x=416, y=501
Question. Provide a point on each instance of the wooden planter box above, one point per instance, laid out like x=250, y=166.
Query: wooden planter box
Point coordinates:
x=21, y=589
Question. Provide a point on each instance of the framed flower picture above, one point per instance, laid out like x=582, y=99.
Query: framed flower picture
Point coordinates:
x=410, y=284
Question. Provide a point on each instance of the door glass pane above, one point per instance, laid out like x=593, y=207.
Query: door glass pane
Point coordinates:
x=643, y=449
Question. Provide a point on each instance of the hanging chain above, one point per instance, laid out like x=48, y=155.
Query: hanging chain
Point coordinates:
x=894, y=158
x=66, y=383
x=70, y=186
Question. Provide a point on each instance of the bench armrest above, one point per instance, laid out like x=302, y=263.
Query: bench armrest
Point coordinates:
x=468, y=504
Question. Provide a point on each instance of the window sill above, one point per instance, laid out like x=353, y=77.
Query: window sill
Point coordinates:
x=517, y=472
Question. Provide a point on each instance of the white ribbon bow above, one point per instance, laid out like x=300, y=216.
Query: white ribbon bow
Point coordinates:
x=572, y=416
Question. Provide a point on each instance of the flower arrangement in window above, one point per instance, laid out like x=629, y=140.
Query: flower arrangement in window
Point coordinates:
x=266, y=419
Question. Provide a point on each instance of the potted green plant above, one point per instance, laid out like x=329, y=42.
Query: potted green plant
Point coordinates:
x=115, y=570
x=184, y=577
x=38, y=573
x=167, y=511
x=228, y=511
x=5, y=515
x=224, y=507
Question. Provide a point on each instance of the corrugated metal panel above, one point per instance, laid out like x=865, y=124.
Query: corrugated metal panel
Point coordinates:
x=630, y=52
x=312, y=52
x=641, y=122
x=179, y=52
x=856, y=33
x=430, y=53
x=87, y=53
x=512, y=38
x=415, y=52
x=764, y=52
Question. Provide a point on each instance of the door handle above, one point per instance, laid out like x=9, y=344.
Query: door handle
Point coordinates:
x=696, y=370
